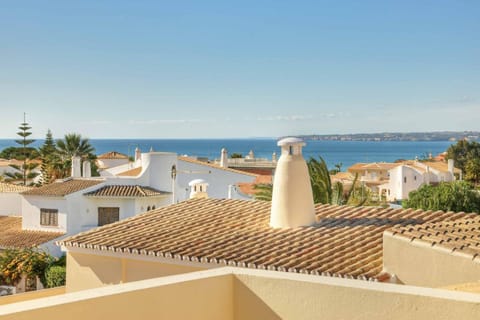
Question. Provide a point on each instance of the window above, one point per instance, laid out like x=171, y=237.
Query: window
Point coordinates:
x=153, y=207
x=148, y=208
x=290, y=150
x=404, y=179
x=49, y=217
x=415, y=178
x=108, y=215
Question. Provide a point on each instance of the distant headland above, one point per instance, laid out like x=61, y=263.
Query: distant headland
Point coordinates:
x=399, y=136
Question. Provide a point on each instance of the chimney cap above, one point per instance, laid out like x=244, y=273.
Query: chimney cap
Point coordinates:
x=290, y=141
x=197, y=181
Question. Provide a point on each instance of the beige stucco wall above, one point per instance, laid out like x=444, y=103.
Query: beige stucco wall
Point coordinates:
x=276, y=298
x=32, y=295
x=417, y=263
x=85, y=271
x=208, y=298
x=233, y=293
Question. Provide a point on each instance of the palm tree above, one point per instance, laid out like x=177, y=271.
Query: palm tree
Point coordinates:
x=320, y=180
x=74, y=146
x=322, y=188
x=263, y=191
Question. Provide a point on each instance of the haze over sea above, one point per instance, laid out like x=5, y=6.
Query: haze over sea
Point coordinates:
x=345, y=152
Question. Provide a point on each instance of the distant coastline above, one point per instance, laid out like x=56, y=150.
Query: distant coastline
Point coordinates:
x=398, y=136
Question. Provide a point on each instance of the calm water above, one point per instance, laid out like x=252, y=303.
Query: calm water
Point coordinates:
x=345, y=152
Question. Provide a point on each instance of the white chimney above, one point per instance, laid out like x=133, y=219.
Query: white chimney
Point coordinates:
x=224, y=158
x=87, y=169
x=292, y=198
x=198, y=188
x=76, y=167
x=450, y=165
x=251, y=155
x=274, y=157
x=138, y=154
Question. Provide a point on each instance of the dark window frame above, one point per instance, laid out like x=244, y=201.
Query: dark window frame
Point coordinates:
x=48, y=217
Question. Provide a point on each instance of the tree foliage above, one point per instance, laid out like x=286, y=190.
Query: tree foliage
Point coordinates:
x=18, y=153
x=454, y=196
x=55, y=276
x=466, y=155
x=51, y=163
x=26, y=170
x=31, y=262
x=74, y=145
x=322, y=188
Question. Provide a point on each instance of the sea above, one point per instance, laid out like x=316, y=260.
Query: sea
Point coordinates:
x=345, y=153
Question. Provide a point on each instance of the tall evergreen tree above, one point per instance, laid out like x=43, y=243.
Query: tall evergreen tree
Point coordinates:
x=50, y=159
x=26, y=169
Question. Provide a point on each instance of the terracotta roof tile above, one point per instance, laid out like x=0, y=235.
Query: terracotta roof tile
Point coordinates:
x=249, y=188
x=12, y=235
x=112, y=155
x=372, y=166
x=63, y=188
x=12, y=188
x=461, y=236
x=212, y=165
x=346, y=241
x=126, y=191
x=131, y=173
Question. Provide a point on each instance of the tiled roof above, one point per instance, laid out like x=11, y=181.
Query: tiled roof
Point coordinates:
x=211, y=165
x=461, y=236
x=125, y=191
x=12, y=235
x=12, y=188
x=60, y=189
x=131, y=173
x=346, y=241
x=112, y=155
x=249, y=188
x=373, y=166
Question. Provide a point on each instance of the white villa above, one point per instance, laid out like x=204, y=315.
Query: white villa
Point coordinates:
x=394, y=181
x=287, y=259
x=155, y=180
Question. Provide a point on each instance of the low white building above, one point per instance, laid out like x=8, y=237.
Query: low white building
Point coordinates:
x=111, y=159
x=155, y=180
x=10, y=199
x=410, y=175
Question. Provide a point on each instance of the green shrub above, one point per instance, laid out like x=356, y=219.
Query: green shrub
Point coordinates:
x=55, y=276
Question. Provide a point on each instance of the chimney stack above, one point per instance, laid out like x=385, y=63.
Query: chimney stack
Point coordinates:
x=198, y=188
x=76, y=167
x=87, y=169
x=450, y=165
x=224, y=158
x=292, y=198
x=138, y=154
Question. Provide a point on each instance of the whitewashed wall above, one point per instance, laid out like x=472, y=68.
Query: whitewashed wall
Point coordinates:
x=10, y=204
x=218, y=179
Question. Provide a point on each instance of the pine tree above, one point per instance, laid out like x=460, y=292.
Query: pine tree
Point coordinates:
x=50, y=159
x=27, y=167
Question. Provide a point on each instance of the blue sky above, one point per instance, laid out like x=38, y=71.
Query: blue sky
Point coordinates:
x=207, y=69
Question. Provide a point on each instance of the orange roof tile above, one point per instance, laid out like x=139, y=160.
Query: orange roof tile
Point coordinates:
x=212, y=165
x=123, y=191
x=12, y=235
x=63, y=188
x=112, y=155
x=249, y=188
x=346, y=241
x=12, y=188
x=373, y=166
x=461, y=236
x=131, y=173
